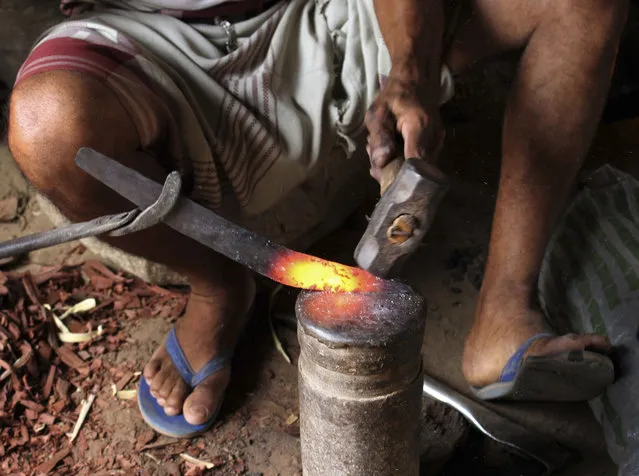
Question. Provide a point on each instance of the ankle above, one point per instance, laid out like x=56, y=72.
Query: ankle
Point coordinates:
x=506, y=293
x=236, y=287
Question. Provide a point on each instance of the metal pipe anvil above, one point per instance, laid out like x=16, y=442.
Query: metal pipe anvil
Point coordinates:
x=360, y=381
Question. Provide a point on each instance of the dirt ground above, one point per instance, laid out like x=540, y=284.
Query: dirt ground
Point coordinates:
x=258, y=432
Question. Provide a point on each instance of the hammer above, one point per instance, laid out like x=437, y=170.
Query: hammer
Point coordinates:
x=411, y=191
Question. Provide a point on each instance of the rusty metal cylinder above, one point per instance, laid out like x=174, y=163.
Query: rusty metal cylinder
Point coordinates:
x=360, y=382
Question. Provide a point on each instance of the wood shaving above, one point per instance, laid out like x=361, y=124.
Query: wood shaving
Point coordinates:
x=84, y=411
x=43, y=368
x=197, y=462
x=126, y=394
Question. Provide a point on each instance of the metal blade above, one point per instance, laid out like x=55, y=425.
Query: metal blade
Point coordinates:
x=187, y=217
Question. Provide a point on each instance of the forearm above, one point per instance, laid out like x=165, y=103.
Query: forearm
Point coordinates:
x=413, y=33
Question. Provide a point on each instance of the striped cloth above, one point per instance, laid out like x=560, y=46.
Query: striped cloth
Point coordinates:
x=265, y=133
x=186, y=9
x=590, y=277
x=279, y=117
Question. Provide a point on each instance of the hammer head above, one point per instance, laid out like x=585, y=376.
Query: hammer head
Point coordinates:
x=401, y=218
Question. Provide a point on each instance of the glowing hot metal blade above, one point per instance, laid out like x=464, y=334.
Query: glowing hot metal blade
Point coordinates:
x=261, y=255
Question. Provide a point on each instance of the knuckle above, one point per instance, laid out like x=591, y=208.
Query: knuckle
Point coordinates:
x=373, y=115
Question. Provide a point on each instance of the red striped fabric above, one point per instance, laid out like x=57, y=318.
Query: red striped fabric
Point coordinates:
x=188, y=10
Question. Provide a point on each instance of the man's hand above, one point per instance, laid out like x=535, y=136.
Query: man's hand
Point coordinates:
x=406, y=108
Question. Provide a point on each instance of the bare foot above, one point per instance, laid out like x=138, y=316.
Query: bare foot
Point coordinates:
x=501, y=327
x=210, y=327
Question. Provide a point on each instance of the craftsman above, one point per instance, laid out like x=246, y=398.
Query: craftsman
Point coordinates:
x=250, y=107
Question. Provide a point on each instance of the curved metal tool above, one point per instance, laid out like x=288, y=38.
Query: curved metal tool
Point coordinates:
x=158, y=210
x=501, y=429
x=66, y=233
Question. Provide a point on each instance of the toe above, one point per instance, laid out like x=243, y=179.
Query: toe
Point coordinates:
x=570, y=342
x=151, y=369
x=598, y=343
x=155, y=364
x=159, y=379
x=169, y=384
x=203, y=402
x=175, y=401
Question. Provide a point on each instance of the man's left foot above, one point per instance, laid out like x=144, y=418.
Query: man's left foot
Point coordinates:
x=501, y=327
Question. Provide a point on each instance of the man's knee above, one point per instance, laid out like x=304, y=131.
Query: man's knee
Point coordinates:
x=51, y=116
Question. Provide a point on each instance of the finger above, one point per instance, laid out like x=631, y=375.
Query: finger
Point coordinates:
x=381, y=137
x=413, y=126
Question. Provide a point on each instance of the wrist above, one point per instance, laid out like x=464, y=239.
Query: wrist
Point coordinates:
x=409, y=69
x=415, y=74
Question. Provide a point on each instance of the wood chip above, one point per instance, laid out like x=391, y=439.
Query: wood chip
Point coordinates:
x=126, y=378
x=69, y=357
x=48, y=466
x=36, y=407
x=62, y=388
x=100, y=268
x=145, y=438
x=44, y=351
x=48, y=385
x=58, y=406
x=38, y=373
x=47, y=419
x=31, y=289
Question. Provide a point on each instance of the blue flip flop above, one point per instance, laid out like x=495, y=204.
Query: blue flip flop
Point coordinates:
x=152, y=411
x=564, y=377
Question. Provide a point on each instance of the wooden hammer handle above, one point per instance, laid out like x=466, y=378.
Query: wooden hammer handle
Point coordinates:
x=389, y=173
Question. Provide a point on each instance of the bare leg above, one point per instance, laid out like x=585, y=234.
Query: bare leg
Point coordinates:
x=569, y=49
x=52, y=115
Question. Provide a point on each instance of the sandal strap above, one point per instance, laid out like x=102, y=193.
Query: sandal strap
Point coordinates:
x=509, y=372
x=176, y=354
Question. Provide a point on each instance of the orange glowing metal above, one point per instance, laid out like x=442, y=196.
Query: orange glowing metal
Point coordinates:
x=331, y=309
x=309, y=272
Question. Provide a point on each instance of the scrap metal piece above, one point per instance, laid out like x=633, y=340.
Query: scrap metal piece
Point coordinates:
x=526, y=441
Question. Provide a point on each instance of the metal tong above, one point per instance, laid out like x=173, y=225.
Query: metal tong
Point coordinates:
x=115, y=225
x=526, y=441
